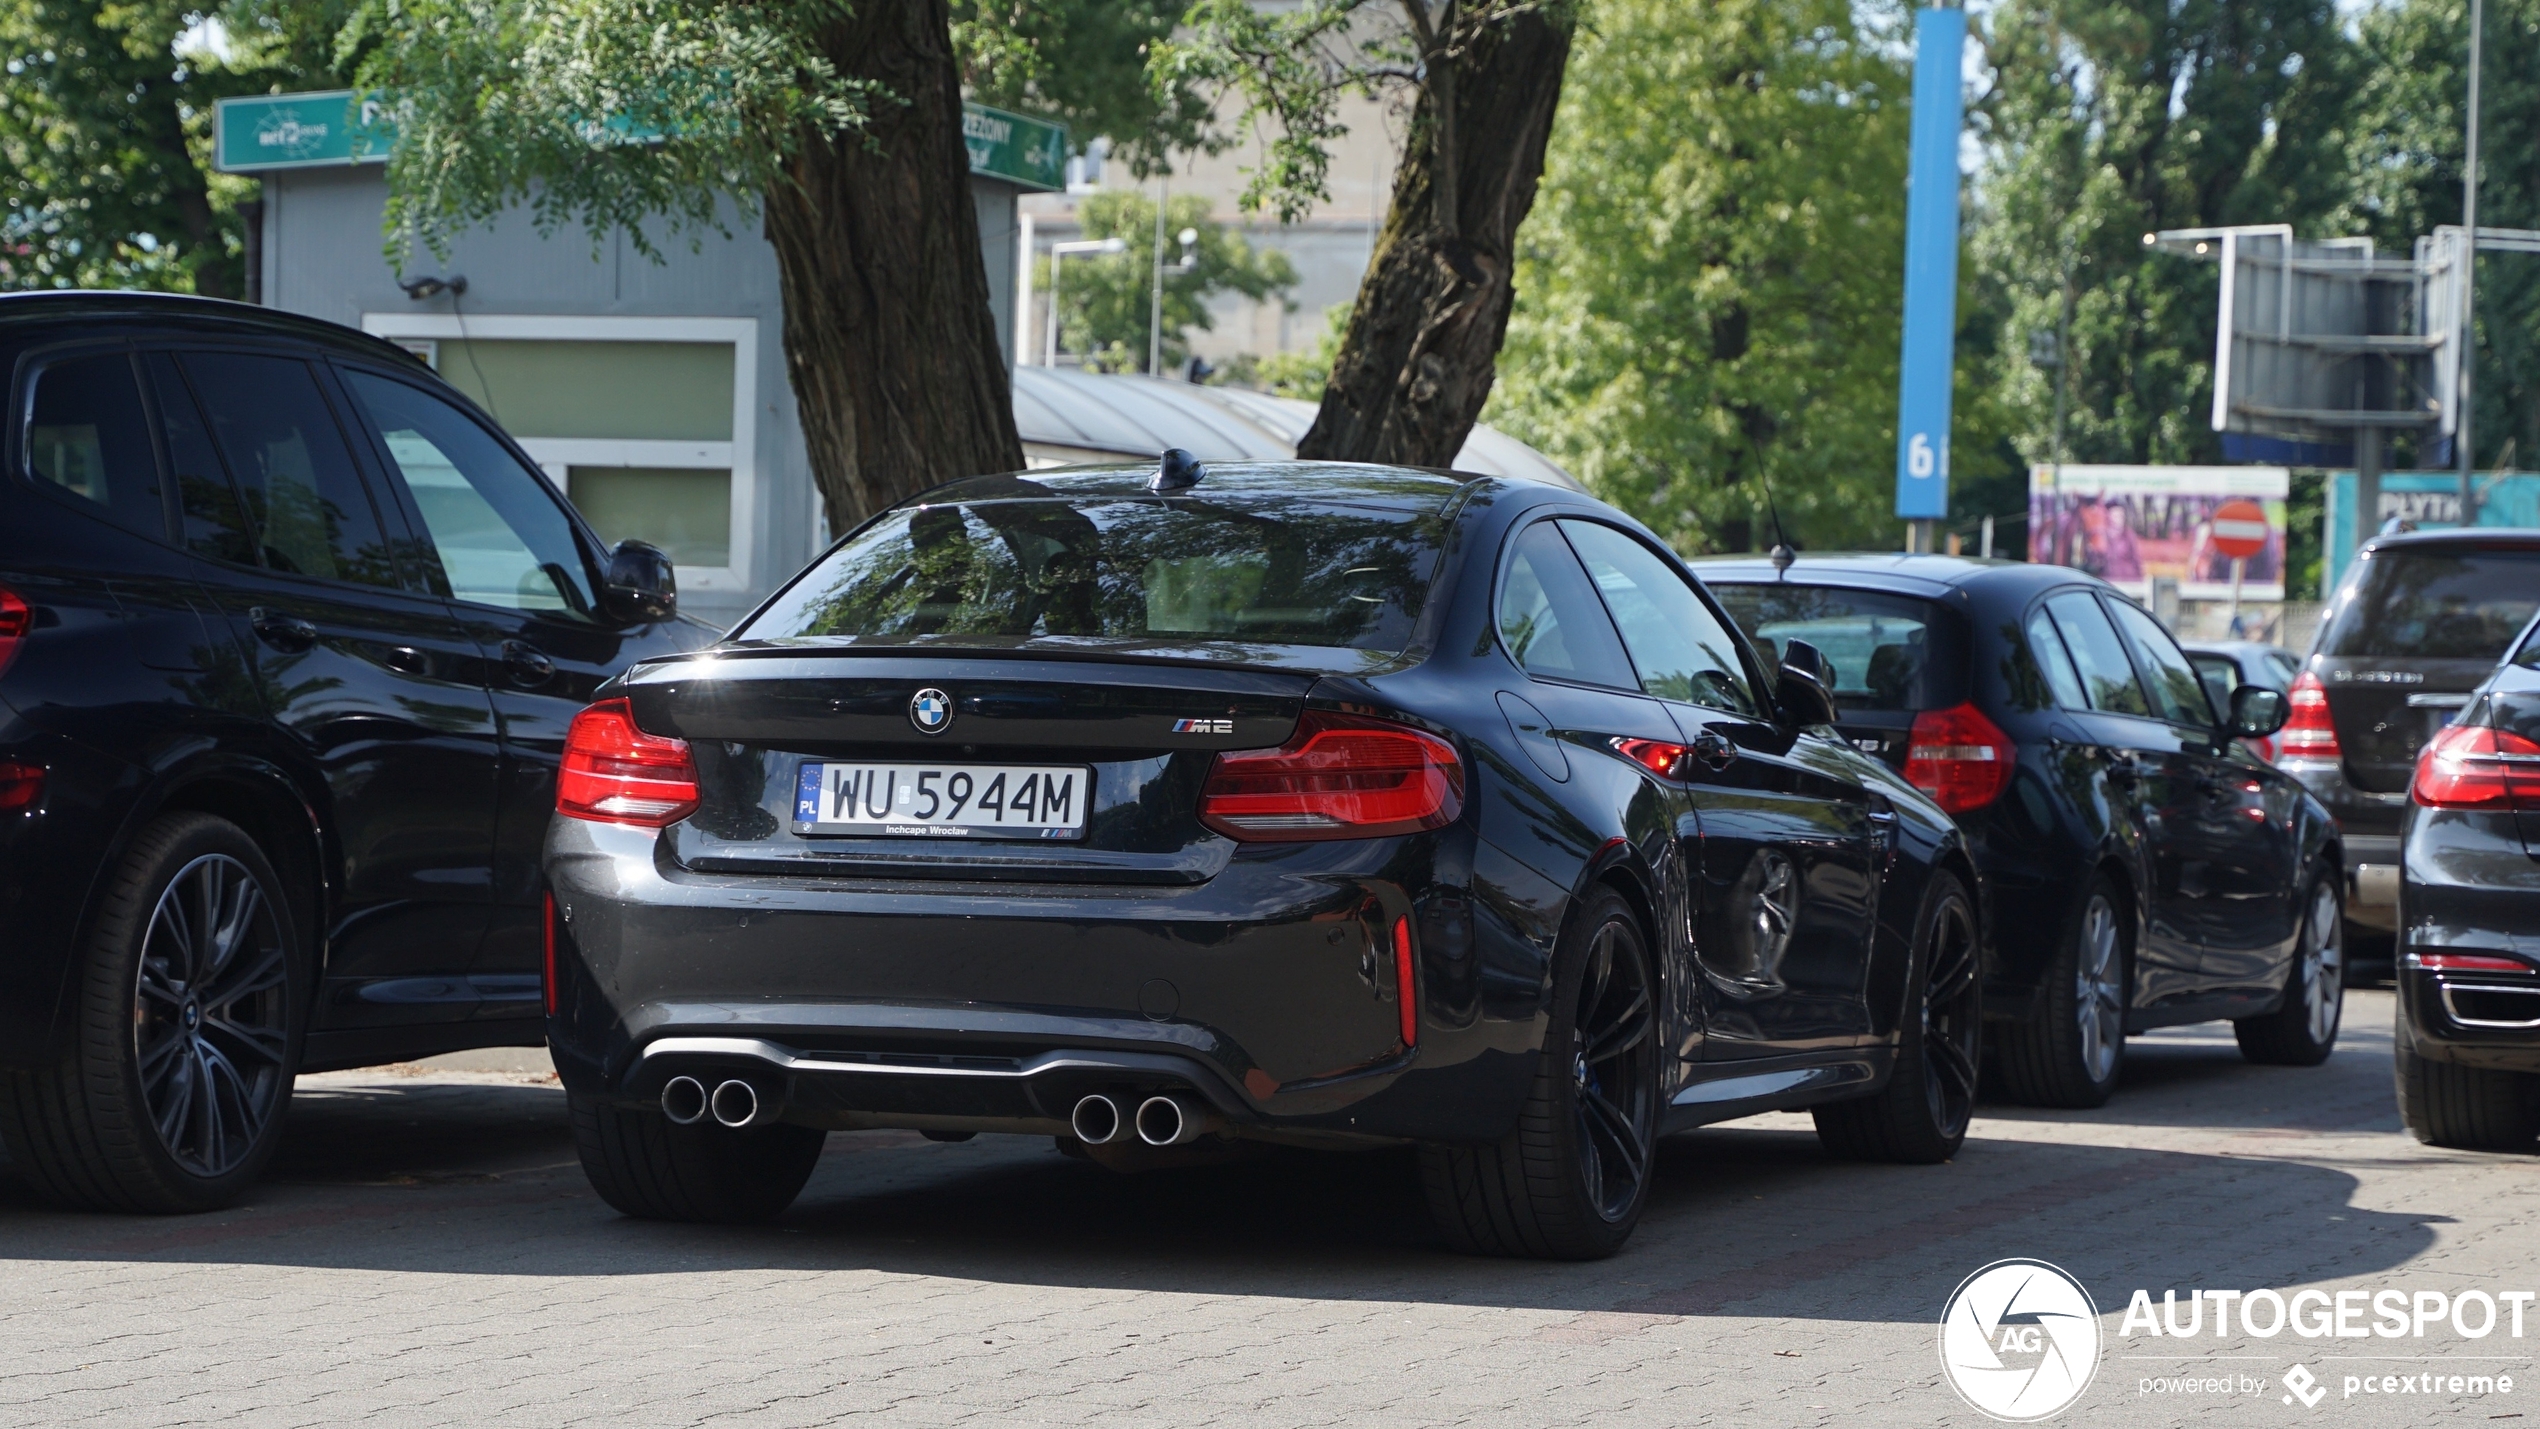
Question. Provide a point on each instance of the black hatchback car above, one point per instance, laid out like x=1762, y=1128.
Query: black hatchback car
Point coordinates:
x=2145, y=868
x=2468, y=1038
x=290, y=636
x=1324, y=805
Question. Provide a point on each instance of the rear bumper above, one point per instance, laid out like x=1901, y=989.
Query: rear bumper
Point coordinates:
x=51, y=858
x=2469, y=888
x=1268, y=992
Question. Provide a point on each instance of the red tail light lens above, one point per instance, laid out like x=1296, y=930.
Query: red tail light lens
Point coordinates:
x=1404, y=989
x=2307, y=732
x=2465, y=963
x=20, y=785
x=2473, y=767
x=615, y=773
x=547, y=962
x=1959, y=757
x=15, y=621
x=1338, y=777
x=1655, y=755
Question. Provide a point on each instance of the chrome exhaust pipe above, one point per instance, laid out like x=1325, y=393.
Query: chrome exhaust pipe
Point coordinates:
x=683, y=1100
x=735, y=1103
x=1170, y=1121
x=1096, y=1120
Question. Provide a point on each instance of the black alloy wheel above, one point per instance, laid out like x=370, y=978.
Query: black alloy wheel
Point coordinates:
x=1922, y=1114
x=191, y=1005
x=1570, y=1181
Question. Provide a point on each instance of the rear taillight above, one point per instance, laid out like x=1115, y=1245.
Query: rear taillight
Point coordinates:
x=1959, y=757
x=2307, y=732
x=614, y=773
x=20, y=785
x=1405, y=988
x=2474, y=767
x=1337, y=777
x=15, y=621
x=2465, y=963
x=1665, y=760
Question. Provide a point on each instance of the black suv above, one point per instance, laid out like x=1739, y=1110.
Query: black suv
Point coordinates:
x=2418, y=622
x=2145, y=868
x=290, y=635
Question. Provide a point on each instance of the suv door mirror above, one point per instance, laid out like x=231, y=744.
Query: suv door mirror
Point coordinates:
x=2257, y=711
x=640, y=583
x=1800, y=689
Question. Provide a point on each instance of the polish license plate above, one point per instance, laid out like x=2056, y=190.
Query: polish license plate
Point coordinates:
x=943, y=800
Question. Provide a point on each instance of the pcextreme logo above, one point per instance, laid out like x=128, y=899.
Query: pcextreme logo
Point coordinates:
x=2019, y=1340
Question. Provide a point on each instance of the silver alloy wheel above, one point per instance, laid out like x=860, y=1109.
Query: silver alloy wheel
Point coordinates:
x=2098, y=1000
x=210, y=1015
x=2323, y=966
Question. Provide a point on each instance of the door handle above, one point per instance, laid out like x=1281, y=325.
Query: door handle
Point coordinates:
x=406, y=659
x=527, y=663
x=1714, y=750
x=287, y=633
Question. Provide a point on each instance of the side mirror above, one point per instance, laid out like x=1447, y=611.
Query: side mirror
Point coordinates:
x=1800, y=689
x=640, y=583
x=2257, y=711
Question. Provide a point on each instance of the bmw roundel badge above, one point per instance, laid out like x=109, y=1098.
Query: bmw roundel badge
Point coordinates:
x=931, y=711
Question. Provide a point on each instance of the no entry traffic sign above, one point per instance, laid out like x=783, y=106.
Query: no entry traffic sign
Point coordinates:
x=2240, y=529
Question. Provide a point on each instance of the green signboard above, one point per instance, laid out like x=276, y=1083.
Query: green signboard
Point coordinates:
x=263, y=132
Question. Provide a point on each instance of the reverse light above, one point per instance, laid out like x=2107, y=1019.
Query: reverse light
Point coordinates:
x=2307, y=732
x=2465, y=963
x=2475, y=767
x=1959, y=757
x=15, y=621
x=1404, y=989
x=1338, y=777
x=614, y=773
x=20, y=785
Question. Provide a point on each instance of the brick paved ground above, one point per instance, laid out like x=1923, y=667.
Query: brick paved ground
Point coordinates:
x=427, y=1253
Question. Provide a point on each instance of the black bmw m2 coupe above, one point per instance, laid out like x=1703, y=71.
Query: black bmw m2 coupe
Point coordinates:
x=1161, y=809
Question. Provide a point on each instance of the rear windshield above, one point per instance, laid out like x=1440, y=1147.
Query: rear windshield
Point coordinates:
x=1267, y=570
x=1879, y=644
x=2448, y=605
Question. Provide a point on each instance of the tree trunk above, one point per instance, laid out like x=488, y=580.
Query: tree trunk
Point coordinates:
x=889, y=340
x=1423, y=342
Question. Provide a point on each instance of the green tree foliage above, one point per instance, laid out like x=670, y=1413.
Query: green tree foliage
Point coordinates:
x=1710, y=285
x=2407, y=153
x=1105, y=300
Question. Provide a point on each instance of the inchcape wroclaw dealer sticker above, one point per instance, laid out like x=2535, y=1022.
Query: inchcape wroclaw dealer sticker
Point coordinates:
x=2019, y=1340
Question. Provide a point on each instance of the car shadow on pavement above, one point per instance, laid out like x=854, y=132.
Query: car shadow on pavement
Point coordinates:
x=1752, y=1219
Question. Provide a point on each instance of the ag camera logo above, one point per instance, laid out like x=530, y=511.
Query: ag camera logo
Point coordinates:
x=2019, y=1340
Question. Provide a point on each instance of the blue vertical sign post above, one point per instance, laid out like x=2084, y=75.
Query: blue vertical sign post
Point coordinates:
x=1931, y=272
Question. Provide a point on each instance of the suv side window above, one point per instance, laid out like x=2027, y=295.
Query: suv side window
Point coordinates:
x=2177, y=695
x=1550, y=618
x=501, y=537
x=305, y=498
x=2106, y=674
x=1683, y=651
x=2054, y=661
x=209, y=519
x=86, y=438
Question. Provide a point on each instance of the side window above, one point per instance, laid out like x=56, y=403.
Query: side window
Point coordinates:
x=305, y=498
x=209, y=518
x=86, y=437
x=2177, y=695
x=2107, y=676
x=2054, y=661
x=1682, y=651
x=502, y=538
x=1550, y=619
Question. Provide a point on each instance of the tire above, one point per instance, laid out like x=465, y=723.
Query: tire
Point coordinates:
x=1569, y=1183
x=2465, y=1108
x=2076, y=1056
x=1920, y=1117
x=646, y=1166
x=2303, y=1031
x=192, y=1002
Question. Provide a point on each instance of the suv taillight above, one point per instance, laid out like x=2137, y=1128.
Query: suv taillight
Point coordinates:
x=1337, y=777
x=15, y=621
x=614, y=773
x=2473, y=767
x=2307, y=732
x=1959, y=757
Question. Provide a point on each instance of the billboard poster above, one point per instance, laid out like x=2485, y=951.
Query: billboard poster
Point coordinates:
x=2130, y=525
x=2426, y=500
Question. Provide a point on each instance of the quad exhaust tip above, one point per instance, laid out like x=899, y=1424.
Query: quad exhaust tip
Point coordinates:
x=1169, y=1121
x=1096, y=1120
x=735, y=1103
x=683, y=1100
